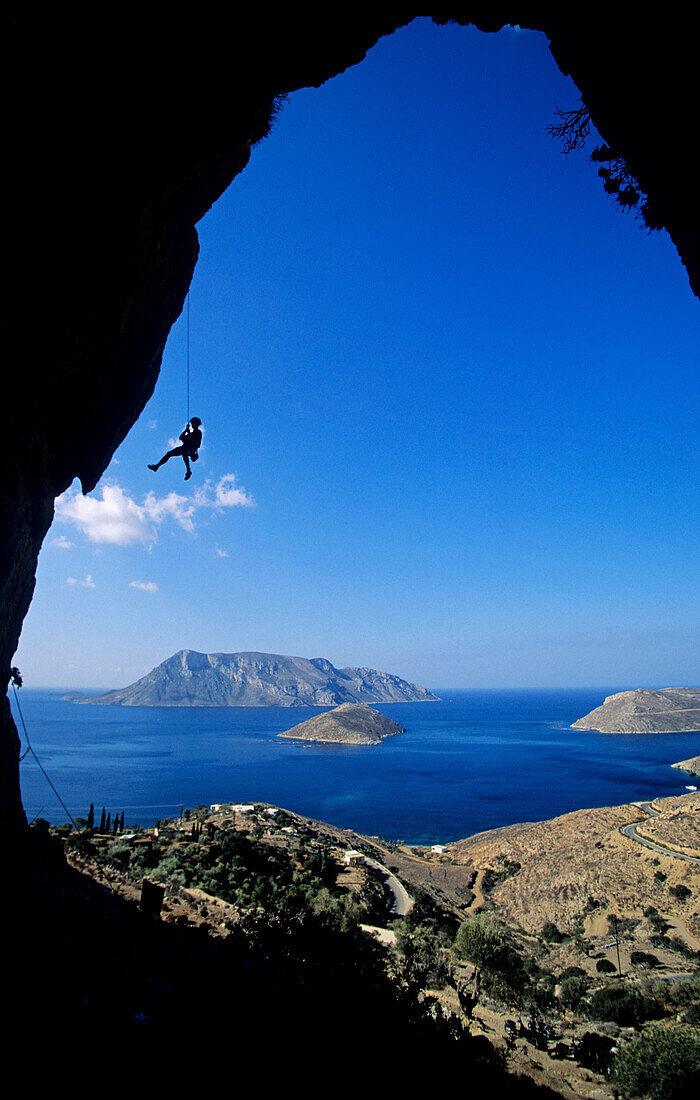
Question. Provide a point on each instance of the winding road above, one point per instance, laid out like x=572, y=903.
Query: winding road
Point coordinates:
x=402, y=899
x=631, y=832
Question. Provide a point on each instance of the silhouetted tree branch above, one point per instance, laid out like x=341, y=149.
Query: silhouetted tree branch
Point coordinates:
x=618, y=180
x=574, y=128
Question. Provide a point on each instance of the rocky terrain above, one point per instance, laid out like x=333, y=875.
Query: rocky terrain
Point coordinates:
x=191, y=679
x=692, y=765
x=348, y=724
x=668, y=710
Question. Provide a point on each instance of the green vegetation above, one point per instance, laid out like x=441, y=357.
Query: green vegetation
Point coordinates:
x=572, y=972
x=657, y=922
x=504, y=974
x=425, y=955
x=663, y=1063
x=572, y=991
x=679, y=945
x=494, y=876
x=552, y=934
x=622, y=1004
x=290, y=908
x=644, y=959
x=680, y=891
x=604, y=966
x=684, y=993
x=483, y=942
x=249, y=874
x=424, y=938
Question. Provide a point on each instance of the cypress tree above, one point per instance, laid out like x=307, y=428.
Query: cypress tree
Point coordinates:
x=108, y=823
x=102, y=820
x=91, y=817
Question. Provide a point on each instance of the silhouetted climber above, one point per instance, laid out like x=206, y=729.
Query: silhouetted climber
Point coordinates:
x=191, y=442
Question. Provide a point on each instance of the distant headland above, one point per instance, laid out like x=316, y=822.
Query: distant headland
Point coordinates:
x=667, y=710
x=348, y=724
x=191, y=679
x=692, y=765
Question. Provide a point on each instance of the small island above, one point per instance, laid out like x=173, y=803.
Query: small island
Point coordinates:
x=666, y=710
x=348, y=724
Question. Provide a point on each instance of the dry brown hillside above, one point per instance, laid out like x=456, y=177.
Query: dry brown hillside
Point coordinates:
x=580, y=864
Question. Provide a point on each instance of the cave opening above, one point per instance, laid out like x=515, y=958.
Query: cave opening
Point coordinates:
x=447, y=383
x=111, y=175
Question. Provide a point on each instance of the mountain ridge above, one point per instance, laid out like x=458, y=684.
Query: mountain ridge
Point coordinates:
x=254, y=678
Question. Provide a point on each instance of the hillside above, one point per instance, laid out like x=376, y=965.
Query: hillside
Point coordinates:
x=191, y=679
x=580, y=866
x=348, y=724
x=668, y=710
x=281, y=907
x=692, y=765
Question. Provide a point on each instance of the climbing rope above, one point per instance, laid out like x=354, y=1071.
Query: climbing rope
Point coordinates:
x=17, y=682
x=188, y=358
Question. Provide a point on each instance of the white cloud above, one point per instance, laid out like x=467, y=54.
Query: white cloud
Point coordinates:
x=230, y=495
x=62, y=542
x=220, y=553
x=174, y=506
x=87, y=583
x=116, y=519
x=144, y=586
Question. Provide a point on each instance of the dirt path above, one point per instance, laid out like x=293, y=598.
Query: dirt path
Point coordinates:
x=479, y=900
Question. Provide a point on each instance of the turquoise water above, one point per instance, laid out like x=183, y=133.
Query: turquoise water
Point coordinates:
x=473, y=761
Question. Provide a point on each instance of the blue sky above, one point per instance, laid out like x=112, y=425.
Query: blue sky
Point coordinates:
x=449, y=400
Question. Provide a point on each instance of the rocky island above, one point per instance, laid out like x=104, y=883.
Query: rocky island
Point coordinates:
x=692, y=765
x=191, y=679
x=348, y=724
x=667, y=710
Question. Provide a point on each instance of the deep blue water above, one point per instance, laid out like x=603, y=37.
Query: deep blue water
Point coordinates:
x=474, y=761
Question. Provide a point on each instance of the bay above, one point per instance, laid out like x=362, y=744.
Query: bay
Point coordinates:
x=475, y=760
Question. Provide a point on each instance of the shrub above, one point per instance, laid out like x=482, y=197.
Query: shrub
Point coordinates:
x=621, y=1004
x=425, y=957
x=680, y=891
x=552, y=933
x=572, y=972
x=604, y=966
x=573, y=990
x=658, y=940
x=481, y=940
x=663, y=1063
x=644, y=959
x=657, y=921
x=682, y=947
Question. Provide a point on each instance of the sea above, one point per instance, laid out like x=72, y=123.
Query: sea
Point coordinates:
x=473, y=761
